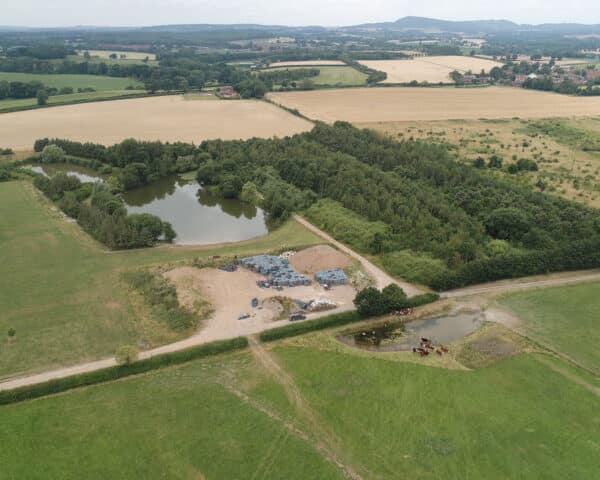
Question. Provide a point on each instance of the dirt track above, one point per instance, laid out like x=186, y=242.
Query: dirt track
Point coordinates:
x=381, y=278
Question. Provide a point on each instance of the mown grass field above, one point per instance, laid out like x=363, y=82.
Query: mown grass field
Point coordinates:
x=565, y=318
x=388, y=418
x=63, y=294
x=344, y=76
x=97, y=82
x=179, y=424
x=11, y=104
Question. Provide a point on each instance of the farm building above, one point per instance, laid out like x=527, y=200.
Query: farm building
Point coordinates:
x=334, y=276
x=276, y=269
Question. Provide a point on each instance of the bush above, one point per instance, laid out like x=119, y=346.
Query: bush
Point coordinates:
x=52, y=154
x=370, y=302
x=126, y=355
x=413, y=266
x=121, y=371
x=394, y=297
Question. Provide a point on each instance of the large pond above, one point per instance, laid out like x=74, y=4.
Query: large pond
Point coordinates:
x=86, y=175
x=198, y=216
x=392, y=337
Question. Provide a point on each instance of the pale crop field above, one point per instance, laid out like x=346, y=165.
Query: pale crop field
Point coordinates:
x=167, y=118
x=429, y=69
x=405, y=104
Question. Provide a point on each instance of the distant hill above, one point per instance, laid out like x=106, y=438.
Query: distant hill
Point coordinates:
x=474, y=27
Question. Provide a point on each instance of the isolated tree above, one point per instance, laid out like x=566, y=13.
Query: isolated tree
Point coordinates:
x=11, y=332
x=52, y=154
x=42, y=97
x=86, y=55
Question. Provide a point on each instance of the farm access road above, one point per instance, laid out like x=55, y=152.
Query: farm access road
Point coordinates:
x=382, y=279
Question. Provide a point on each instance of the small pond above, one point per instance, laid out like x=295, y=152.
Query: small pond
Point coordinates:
x=85, y=175
x=391, y=337
x=198, y=216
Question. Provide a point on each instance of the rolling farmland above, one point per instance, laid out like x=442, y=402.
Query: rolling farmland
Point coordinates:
x=404, y=104
x=167, y=118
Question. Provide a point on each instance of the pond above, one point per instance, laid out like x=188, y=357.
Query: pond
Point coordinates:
x=392, y=337
x=85, y=175
x=198, y=216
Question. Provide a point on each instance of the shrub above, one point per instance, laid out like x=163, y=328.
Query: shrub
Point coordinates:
x=370, y=302
x=126, y=355
x=52, y=154
x=394, y=297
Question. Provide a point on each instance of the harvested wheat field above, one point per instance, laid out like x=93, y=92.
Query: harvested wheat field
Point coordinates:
x=359, y=105
x=306, y=63
x=317, y=258
x=429, y=69
x=167, y=118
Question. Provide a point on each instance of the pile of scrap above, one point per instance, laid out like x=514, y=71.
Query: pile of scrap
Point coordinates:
x=332, y=276
x=320, y=304
x=276, y=269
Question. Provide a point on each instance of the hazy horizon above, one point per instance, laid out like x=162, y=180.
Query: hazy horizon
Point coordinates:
x=137, y=13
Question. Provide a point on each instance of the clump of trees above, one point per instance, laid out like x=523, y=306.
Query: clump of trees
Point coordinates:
x=102, y=214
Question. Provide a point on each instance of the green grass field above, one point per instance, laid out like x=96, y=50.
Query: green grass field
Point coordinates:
x=64, y=295
x=567, y=319
x=339, y=75
x=10, y=104
x=389, y=419
x=98, y=82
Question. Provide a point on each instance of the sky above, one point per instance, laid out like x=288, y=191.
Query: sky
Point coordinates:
x=56, y=13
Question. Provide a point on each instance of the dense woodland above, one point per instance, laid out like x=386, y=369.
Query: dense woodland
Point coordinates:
x=381, y=196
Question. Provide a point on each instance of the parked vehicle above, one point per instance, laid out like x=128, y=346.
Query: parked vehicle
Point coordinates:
x=243, y=316
x=297, y=316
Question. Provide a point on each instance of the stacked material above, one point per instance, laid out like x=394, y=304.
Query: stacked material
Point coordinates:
x=276, y=269
x=334, y=276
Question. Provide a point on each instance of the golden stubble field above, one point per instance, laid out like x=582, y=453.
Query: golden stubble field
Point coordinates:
x=394, y=104
x=167, y=118
x=429, y=69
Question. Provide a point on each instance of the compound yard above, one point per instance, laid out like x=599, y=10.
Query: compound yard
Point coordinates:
x=429, y=69
x=404, y=104
x=166, y=118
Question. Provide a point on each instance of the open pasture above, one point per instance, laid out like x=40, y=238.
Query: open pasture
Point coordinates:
x=564, y=318
x=97, y=82
x=166, y=118
x=342, y=75
x=405, y=104
x=429, y=69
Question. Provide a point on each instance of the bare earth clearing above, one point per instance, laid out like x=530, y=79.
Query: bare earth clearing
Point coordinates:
x=429, y=69
x=231, y=293
x=167, y=118
x=404, y=104
x=317, y=258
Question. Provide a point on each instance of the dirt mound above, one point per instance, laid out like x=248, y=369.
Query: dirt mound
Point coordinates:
x=318, y=258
